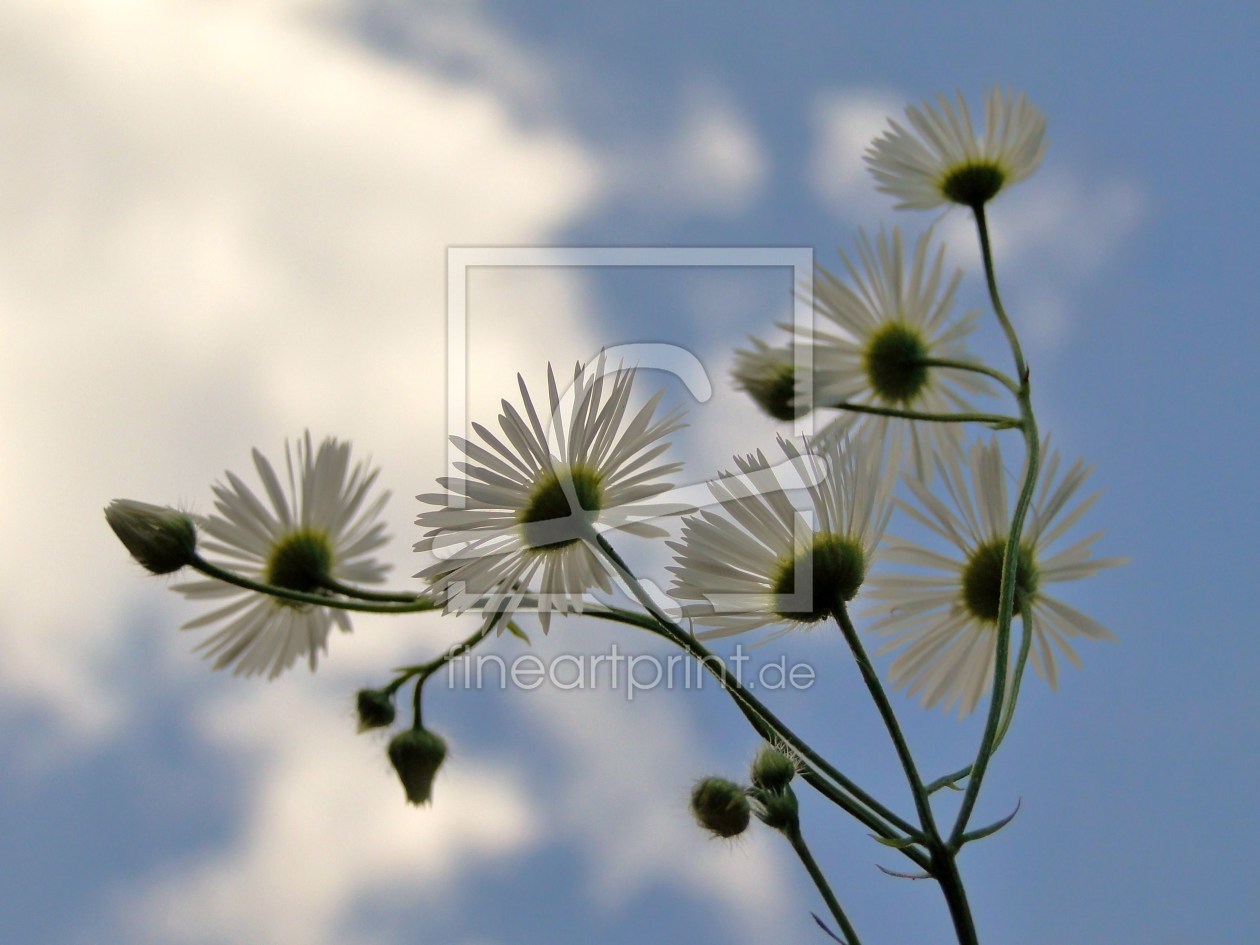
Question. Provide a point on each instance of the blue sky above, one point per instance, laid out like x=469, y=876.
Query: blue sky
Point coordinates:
x=224, y=223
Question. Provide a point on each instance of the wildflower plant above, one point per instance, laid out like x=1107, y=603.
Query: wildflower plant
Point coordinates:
x=797, y=536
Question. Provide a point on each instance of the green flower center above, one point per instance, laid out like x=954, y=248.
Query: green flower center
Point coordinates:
x=894, y=363
x=301, y=561
x=973, y=184
x=775, y=394
x=832, y=569
x=982, y=579
x=548, y=519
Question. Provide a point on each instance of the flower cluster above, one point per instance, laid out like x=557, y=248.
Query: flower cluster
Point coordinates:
x=788, y=539
x=785, y=544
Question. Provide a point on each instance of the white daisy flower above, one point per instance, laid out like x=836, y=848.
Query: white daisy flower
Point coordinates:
x=943, y=160
x=768, y=376
x=322, y=528
x=522, y=507
x=881, y=329
x=945, y=624
x=814, y=520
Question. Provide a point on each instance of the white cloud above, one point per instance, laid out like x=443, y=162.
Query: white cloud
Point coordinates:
x=845, y=123
x=627, y=768
x=326, y=829
x=1050, y=235
x=226, y=222
x=223, y=224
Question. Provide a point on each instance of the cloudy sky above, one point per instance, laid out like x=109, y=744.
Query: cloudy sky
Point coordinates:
x=222, y=223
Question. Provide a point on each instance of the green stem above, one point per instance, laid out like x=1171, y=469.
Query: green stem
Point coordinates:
x=416, y=605
x=1010, y=554
x=360, y=593
x=793, y=834
x=986, y=251
x=858, y=803
x=1021, y=661
x=880, y=698
x=942, y=865
x=996, y=420
x=427, y=669
x=945, y=869
x=973, y=367
x=422, y=671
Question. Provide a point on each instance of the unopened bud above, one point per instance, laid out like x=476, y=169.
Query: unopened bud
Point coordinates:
x=772, y=770
x=778, y=809
x=375, y=708
x=416, y=755
x=721, y=807
x=162, y=539
x=768, y=375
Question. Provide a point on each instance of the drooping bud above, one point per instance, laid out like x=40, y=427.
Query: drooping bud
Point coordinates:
x=161, y=539
x=778, y=809
x=416, y=755
x=768, y=375
x=375, y=708
x=721, y=807
x=772, y=770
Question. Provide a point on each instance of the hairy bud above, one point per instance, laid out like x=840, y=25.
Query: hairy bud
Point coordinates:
x=721, y=807
x=375, y=708
x=416, y=755
x=162, y=539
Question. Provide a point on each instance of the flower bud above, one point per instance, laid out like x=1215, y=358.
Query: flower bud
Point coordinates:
x=375, y=708
x=772, y=770
x=416, y=755
x=768, y=375
x=778, y=809
x=721, y=807
x=162, y=539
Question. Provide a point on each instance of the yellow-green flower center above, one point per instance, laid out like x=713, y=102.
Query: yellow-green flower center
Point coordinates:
x=549, y=519
x=829, y=574
x=300, y=561
x=894, y=363
x=982, y=579
x=973, y=184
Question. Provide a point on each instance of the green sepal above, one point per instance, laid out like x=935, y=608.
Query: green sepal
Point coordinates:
x=991, y=829
x=513, y=628
x=897, y=843
x=888, y=872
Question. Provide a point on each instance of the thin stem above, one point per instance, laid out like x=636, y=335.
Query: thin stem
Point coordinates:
x=416, y=605
x=1010, y=554
x=875, y=816
x=427, y=669
x=422, y=671
x=1006, y=609
x=945, y=869
x=986, y=251
x=975, y=367
x=1021, y=661
x=793, y=834
x=360, y=593
x=416, y=703
x=996, y=420
x=880, y=698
